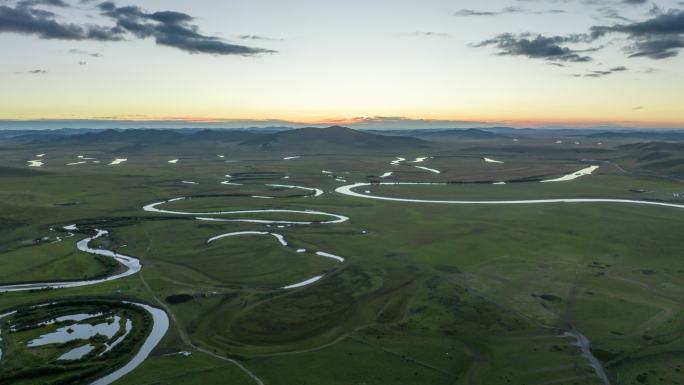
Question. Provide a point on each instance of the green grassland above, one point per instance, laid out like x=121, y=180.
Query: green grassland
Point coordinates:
x=52, y=260
x=428, y=293
x=602, y=186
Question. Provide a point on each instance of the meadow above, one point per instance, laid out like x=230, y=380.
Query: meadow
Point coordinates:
x=426, y=294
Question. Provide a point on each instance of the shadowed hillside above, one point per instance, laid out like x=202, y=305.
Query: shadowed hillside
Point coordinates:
x=153, y=137
x=665, y=158
x=455, y=134
x=334, y=138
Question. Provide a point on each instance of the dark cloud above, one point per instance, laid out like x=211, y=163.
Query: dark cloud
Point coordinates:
x=168, y=28
x=51, y=3
x=600, y=74
x=170, y=17
x=171, y=29
x=634, y=2
x=539, y=47
x=659, y=37
x=667, y=23
x=657, y=48
x=31, y=21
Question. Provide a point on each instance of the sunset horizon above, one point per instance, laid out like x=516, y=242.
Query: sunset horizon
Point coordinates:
x=530, y=63
x=375, y=122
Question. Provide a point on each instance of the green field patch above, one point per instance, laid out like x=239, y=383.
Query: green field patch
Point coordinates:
x=590, y=186
x=601, y=314
x=536, y=358
x=177, y=369
x=180, y=249
x=663, y=367
x=445, y=354
x=348, y=362
x=256, y=176
x=253, y=261
x=306, y=317
x=15, y=234
x=53, y=261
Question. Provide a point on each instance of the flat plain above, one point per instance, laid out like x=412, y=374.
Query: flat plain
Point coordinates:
x=424, y=293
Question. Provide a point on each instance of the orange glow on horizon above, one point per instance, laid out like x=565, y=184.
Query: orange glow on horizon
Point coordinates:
x=405, y=121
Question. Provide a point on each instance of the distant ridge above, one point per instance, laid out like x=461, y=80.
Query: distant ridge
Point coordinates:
x=331, y=138
x=651, y=136
x=470, y=133
x=142, y=136
x=309, y=139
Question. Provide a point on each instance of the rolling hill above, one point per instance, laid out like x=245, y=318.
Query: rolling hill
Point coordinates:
x=671, y=136
x=663, y=157
x=456, y=134
x=335, y=138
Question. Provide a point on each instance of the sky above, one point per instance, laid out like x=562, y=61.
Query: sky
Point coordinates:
x=362, y=63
